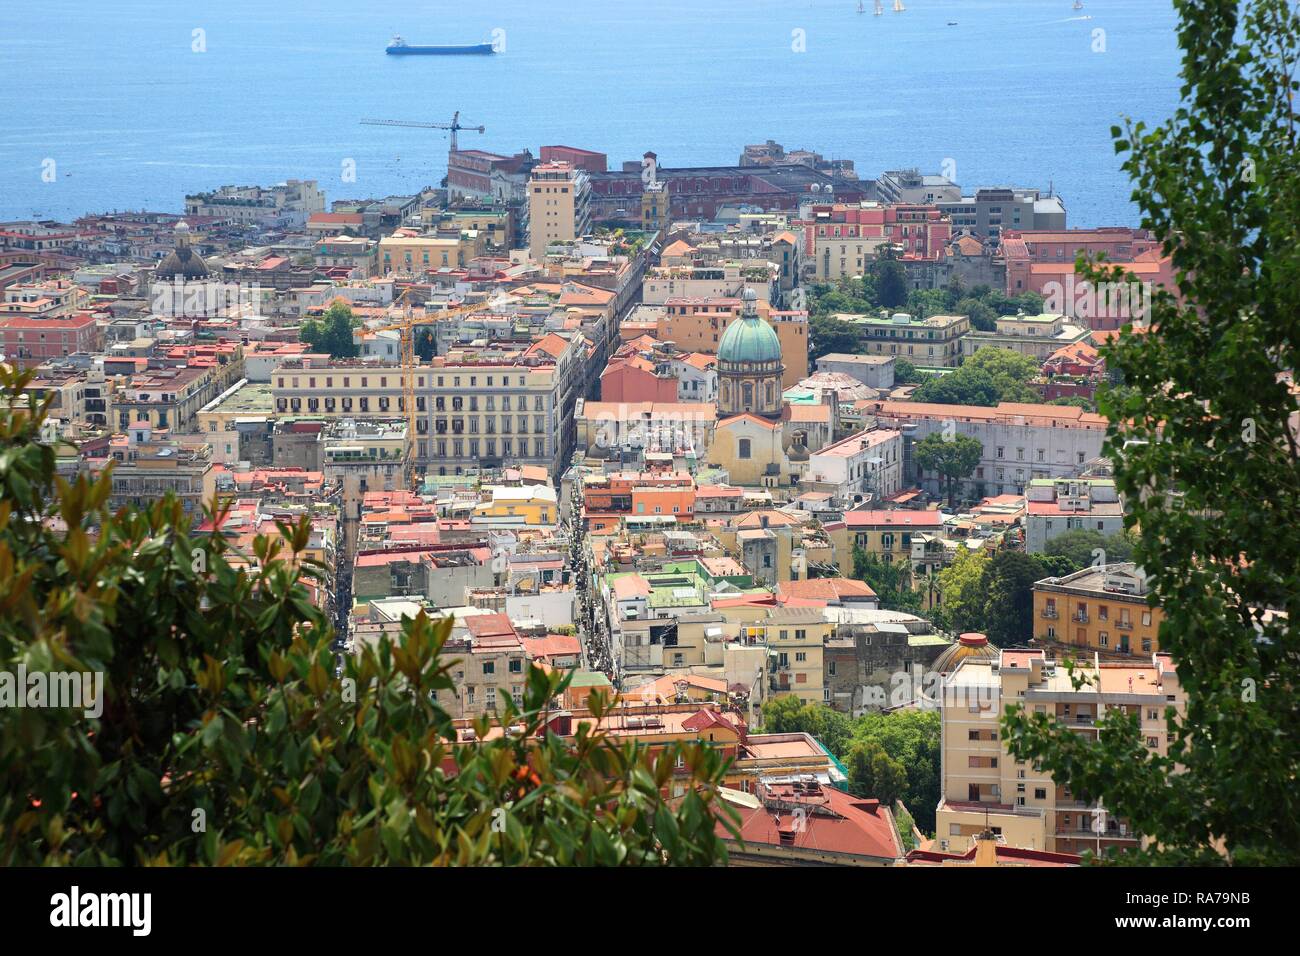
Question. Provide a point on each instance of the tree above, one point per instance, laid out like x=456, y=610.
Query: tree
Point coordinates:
x=1081, y=547
x=961, y=591
x=828, y=336
x=1204, y=448
x=890, y=280
x=873, y=773
x=983, y=317
x=1010, y=371
x=892, y=581
x=965, y=386
x=424, y=344
x=334, y=333
x=221, y=733
x=1008, y=585
x=905, y=372
x=953, y=459
x=787, y=714
x=911, y=738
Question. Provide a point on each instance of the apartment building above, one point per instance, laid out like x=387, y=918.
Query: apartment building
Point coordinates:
x=990, y=212
x=984, y=787
x=867, y=466
x=1099, y=610
x=1020, y=442
x=935, y=341
x=559, y=206
x=717, y=281
x=145, y=468
x=1034, y=336
x=842, y=240
x=795, y=638
x=475, y=407
x=26, y=341
x=1058, y=505
x=886, y=534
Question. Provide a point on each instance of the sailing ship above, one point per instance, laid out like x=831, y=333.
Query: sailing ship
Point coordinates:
x=898, y=6
x=880, y=8
x=862, y=7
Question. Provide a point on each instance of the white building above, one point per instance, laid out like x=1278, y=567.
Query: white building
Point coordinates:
x=1020, y=442
x=1060, y=505
x=867, y=463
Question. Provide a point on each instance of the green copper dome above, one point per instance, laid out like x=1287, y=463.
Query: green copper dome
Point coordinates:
x=749, y=338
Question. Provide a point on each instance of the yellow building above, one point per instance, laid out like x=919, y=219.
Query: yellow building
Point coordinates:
x=559, y=206
x=795, y=637
x=413, y=254
x=516, y=507
x=1102, y=610
x=985, y=787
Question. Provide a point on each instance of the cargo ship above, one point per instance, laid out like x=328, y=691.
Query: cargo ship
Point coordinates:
x=399, y=47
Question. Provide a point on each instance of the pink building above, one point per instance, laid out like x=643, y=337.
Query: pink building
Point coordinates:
x=26, y=342
x=634, y=379
x=918, y=230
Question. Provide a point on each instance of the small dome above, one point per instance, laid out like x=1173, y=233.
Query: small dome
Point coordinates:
x=969, y=645
x=182, y=262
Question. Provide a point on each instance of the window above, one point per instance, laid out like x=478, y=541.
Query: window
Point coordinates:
x=1040, y=793
x=489, y=667
x=744, y=449
x=516, y=666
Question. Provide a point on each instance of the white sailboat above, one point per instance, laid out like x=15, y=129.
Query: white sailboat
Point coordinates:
x=861, y=7
x=898, y=6
x=1078, y=4
x=880, y=8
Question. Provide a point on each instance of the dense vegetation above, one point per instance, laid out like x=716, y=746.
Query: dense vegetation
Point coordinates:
x=332, y=333
x=1204, y=444
x=889, y=756
x=226, y=736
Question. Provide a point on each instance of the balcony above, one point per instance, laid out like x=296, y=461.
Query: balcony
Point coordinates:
x=1080, y=617
x=1050, y=613
x=1124, y=624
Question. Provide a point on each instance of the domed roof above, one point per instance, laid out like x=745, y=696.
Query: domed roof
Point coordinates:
x=969, y=645
x=749, y=338
x=182, y=262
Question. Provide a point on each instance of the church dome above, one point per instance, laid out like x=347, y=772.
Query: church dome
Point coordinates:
x=748, y=339
x=182, y=262
x=969, y=645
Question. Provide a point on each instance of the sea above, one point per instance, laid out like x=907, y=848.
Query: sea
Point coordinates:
x=132, y=104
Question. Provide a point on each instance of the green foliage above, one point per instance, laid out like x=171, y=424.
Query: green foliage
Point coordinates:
x=961, y=589
x=873, y=773
x=910, y=737
x=905, y=373
x=953, y=459
x=1204, y=447
x=226, y=736
x=892, y=581
x=1008, y=585
x=989, y=376
x=333, y=334
x=890, y=280
x=789, y=715
x=1080, y=544
x=889, y=756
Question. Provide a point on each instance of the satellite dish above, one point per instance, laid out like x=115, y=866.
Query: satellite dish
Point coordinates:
x=829, y=188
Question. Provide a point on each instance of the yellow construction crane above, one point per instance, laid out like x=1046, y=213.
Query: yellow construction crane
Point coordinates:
x=407, y=327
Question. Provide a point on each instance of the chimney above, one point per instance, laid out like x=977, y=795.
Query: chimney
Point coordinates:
x=986, y=849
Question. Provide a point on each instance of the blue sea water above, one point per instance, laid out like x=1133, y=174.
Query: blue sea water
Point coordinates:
x=1016, y=93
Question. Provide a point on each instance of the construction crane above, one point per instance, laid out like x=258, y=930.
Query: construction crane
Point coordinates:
x=455, y=126
x=407, y=327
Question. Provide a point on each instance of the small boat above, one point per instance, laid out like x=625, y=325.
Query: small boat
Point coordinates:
x=898, y=6
x=952, y=23
x=1078, y=4
x=880, y=8
x=862, y=7
x=399, y=47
